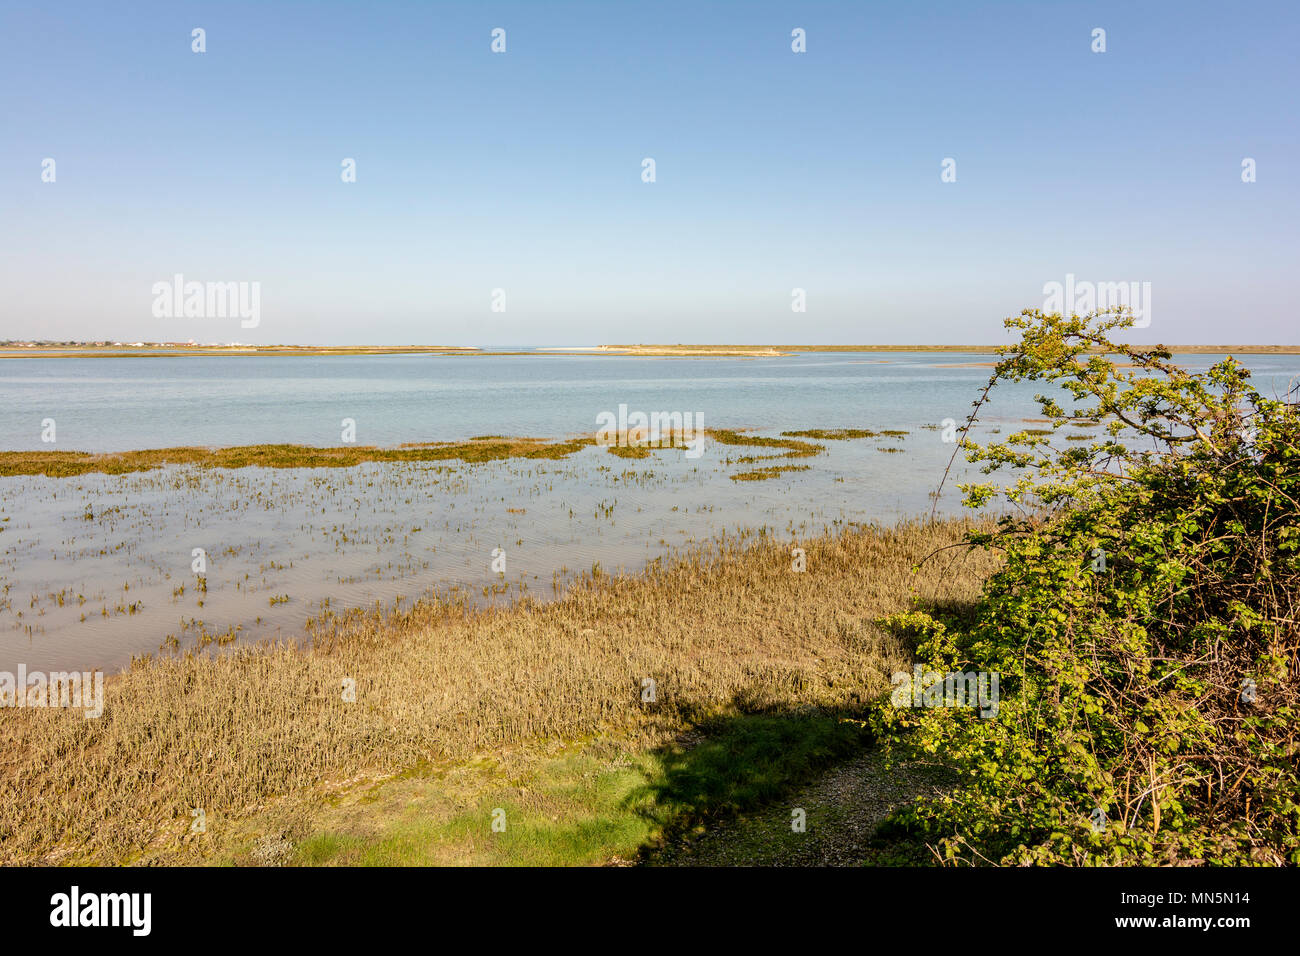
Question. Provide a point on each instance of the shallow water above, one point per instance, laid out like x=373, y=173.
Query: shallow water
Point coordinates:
x=95, y=569
x=122, y=403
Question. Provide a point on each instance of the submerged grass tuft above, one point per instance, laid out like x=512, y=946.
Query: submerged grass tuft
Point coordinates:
x=771, y=471
x=831, y=434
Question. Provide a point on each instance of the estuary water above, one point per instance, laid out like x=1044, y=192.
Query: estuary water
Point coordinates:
x=96, y=570
x=153, y=401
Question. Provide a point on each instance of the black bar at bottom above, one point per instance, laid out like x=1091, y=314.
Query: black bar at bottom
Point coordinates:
x=333, y=905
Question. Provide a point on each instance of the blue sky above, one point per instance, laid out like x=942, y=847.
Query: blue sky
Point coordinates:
x=522, y=171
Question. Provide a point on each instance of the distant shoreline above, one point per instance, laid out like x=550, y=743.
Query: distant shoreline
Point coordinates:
x=150, y=349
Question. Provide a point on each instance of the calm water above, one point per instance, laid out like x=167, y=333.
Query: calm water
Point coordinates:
x=112, y=404
x=95, y=570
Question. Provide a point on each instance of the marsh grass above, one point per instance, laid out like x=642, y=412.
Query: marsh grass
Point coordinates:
x=771, y=471
x=726, y=629
x=793, y=449
x=482, y=448
x=64, y=464
x=831, y=434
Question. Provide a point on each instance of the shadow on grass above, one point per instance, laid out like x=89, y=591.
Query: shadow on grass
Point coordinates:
x=732, y=765
x=721, y=783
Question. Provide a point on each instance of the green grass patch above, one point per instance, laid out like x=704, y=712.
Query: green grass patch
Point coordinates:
x=599, y=802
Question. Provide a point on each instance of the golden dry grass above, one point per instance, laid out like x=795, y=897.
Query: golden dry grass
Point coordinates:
x=727, y=628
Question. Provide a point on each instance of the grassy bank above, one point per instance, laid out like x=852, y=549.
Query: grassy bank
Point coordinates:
x=541, y=711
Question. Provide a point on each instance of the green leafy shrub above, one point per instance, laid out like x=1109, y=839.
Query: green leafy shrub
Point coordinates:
x=1144, y=625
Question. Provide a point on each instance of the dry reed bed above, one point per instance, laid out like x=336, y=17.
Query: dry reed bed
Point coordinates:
x=728, y=626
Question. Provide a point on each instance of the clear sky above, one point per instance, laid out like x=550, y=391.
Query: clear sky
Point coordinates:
x=522, y=170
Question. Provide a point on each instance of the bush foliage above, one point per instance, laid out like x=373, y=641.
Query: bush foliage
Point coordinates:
x=1144, y=625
